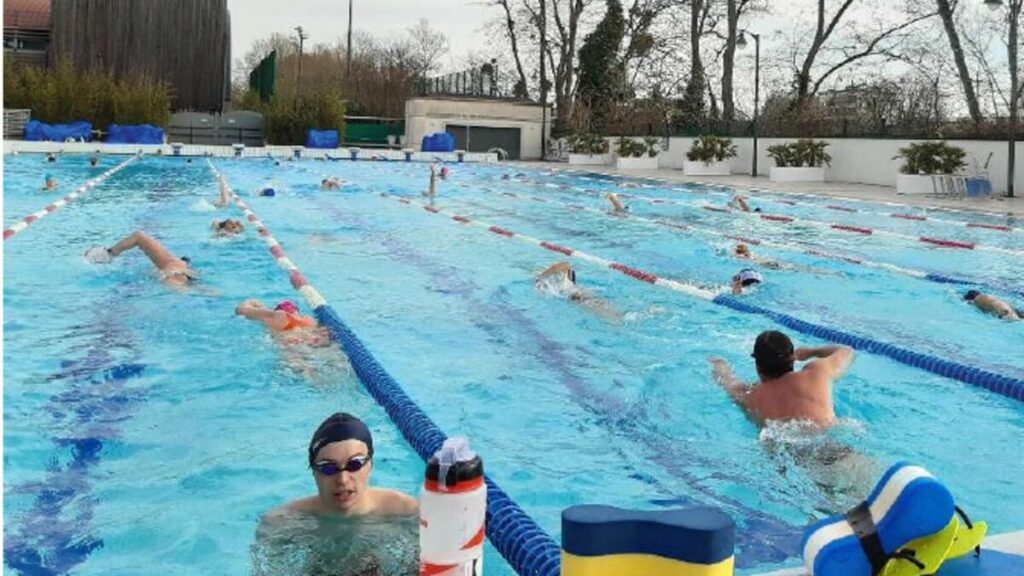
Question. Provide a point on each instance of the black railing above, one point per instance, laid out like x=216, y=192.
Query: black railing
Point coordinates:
x=479, y=82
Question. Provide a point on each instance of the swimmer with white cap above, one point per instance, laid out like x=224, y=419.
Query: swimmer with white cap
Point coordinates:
x=745, y=278
x=560, y=279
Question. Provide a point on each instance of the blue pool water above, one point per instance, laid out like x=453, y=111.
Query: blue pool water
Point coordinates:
x=157, y=427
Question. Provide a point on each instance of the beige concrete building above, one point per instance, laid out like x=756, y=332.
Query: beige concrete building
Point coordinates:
x=479, y=124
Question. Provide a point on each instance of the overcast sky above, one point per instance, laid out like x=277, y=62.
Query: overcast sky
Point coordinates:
x=327, y=20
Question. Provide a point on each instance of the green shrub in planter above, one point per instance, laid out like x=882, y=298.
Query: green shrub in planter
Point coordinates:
x=652, y=145
x=803, y=152
x=708, y=149
x=588, y=143
x=931, y=158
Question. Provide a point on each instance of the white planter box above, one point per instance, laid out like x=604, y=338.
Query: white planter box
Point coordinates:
x=914, y=184
x=588, y=159
x=801, y=174
x=643, y=163
x=699, y=168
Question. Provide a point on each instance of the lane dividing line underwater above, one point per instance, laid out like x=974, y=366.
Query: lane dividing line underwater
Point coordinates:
x=27, y=221
x=516, y=536
x=732, y=189
x=1008, y=386
x=828, y=226
x=687, y=227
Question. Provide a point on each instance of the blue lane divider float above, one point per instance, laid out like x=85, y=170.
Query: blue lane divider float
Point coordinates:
x=523, y=544
x=942, y=279
x=998, y=383
x=526, y=547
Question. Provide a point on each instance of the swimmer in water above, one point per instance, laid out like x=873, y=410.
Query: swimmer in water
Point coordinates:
x=224, y=200
x=229, y=227
x=174, y=271
x=740, y=203
x=629, y=185
x=994, y=306
x=341, y=458
x=94, y=160
x=783, y=393
x=617, y=206
x=51, y=183
x=443, y=173
x=432, y=190
x=560, y=279
x=50, y=157
x=285, y=322
x=744, y=279
x=332, y=183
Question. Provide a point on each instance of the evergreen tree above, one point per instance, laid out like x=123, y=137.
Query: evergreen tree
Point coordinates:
x=599, y=63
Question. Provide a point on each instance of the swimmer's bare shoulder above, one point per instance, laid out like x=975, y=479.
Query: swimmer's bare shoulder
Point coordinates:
x=389, y=502
x=310, y=505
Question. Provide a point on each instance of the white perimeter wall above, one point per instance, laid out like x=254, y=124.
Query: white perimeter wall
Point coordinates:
x=861, y=160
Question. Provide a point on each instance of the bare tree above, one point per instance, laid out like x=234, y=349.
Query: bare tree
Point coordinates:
x=946, y=9
x=512, y=34
x=879, y=41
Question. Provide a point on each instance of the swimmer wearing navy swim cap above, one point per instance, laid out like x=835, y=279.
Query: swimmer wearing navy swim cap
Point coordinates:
x=341, y=455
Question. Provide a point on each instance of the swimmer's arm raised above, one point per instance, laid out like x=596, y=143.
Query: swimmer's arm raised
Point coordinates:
x=272, y=318
x=832, y=360
x=736, y=389
x=561, y=267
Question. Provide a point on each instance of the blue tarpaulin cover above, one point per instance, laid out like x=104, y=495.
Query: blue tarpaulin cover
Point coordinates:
x=438, y=142
x=134, y=134
x=38, y=131
x=321, y=138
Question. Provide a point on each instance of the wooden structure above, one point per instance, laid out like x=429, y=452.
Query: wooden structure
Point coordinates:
x=27, y=31
x=186, y=43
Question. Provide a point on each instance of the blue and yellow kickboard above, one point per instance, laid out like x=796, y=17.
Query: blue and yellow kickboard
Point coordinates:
x=907, y=504
x=609, y=541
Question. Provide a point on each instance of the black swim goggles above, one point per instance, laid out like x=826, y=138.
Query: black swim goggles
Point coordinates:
x=329, y=468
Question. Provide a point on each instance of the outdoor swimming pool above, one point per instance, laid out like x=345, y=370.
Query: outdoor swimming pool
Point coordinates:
x=157, y=427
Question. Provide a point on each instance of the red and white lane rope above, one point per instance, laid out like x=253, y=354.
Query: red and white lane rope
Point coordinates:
x=635, y=273
x=34, y=217
x=900, y=214
x=832, y=226
x=679, y=226
x=725, y=189
x=312, y=297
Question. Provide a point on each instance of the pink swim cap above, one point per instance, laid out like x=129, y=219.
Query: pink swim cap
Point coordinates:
x=287, y=306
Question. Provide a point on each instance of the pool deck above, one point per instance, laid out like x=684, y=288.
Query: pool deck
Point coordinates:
x=868, y=192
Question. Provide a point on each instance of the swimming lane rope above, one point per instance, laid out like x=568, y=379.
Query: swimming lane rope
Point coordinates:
x=27, y=221
x=516, y=536
x=1001, y=384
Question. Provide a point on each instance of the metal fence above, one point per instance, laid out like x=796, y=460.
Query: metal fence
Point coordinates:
x=216, y=129
x=479, y=82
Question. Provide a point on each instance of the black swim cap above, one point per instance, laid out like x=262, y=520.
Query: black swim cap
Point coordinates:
x=339, y=427
x=971, y=294
x=186, y=260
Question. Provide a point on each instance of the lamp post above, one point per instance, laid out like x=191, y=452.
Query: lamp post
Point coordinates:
x=348, y=48
x=742, y=43
x=1014, y=18
x=302, y=38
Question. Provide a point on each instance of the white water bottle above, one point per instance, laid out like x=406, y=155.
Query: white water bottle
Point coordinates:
x=453, y=504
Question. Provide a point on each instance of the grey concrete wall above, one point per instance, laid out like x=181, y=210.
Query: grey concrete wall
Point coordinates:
x=428, y=115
